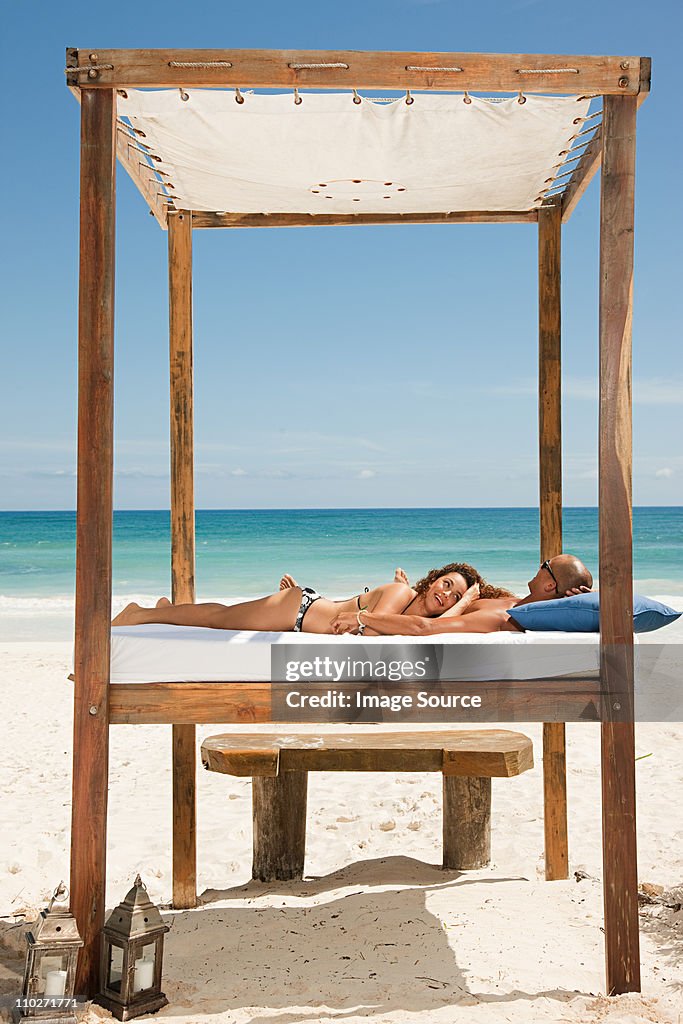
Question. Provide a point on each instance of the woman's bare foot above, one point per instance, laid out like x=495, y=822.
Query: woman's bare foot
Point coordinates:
x=288, y=582
x=128, y=617
x=163, y=602
x=400, y=577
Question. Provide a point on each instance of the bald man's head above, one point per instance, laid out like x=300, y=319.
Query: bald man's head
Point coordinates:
x=570, y=572
x=558, y=575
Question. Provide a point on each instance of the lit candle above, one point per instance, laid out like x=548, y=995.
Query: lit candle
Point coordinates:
x=55, y=983
x=144, y=974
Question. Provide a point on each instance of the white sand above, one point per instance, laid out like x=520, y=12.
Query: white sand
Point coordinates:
x=376, y=931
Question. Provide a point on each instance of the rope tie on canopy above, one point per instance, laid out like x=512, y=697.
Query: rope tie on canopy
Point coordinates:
x=521, y=98
x=580, y=120
x=199, y=64
x=297, y=98
x=466, y=97
x=356, y=97
x=586, y=131
x=89, y=67
x=547, y=71
x=557, y=177
x=145, y=151
x=409, y=98
x=131, y=128
x=316, y=67
x=239, y=98
x=575, y=149
x=415, y=67
x=183, y=95
x=565, y=163
x=157, y=170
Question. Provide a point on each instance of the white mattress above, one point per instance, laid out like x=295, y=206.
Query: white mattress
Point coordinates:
x=178, y=654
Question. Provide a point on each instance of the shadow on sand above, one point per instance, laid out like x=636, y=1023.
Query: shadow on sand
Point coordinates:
x=358, y=953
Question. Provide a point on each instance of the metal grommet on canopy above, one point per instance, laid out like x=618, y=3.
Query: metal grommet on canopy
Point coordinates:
x=356, y=97
x=409, y=98
x=183, y=95
x=466, y=97
x=521, y=97
x=239, y=98
x=297, y=98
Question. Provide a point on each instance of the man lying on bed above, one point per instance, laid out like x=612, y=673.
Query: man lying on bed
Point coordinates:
x=390, y=609
x=561, y=576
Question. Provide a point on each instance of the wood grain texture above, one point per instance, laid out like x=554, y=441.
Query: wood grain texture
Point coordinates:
x=550, y=504
x=550, y=379
x=466, y=823
x=182, y=538
x=617, y=198
x=184, y=768
x=555, y=801
x=93, y=528
x=495, y=72
x=202, y=219
x=499, y=753
x=182, y=407
x=279, y=824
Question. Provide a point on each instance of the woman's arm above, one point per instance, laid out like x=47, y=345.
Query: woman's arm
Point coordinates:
x=417, y=625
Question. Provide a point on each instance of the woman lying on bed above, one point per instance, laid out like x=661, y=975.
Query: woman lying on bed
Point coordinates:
x=453, y=599
x=449, y=590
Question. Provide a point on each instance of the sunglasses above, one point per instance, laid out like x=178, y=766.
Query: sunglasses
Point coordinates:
x=546, y=565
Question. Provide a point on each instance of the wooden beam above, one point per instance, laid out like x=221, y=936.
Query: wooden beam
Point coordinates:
x=550, y=379
x=93, y=528
x=543, y=700
x=588, y=165
x=346, y=69
x=620, y=883
x=202, y=219
x=182, y=539
x=134, y=164
x=550, y=504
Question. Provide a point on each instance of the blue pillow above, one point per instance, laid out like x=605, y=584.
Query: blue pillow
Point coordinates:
x=581, y=614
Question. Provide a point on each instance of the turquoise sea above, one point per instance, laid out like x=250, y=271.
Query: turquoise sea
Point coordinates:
x=243, y=553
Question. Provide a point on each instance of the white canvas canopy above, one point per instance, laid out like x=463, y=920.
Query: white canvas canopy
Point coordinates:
x=329, y=154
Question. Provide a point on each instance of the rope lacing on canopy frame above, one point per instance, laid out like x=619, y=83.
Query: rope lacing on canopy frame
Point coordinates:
x=547, y=71
x=200, y=64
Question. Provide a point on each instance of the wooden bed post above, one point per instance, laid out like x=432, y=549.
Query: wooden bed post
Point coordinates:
x=93, y=527
x=182, y=538
x=550, y=502
x=620, y=883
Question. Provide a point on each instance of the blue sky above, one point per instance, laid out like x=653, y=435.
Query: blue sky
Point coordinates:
x=334, y=367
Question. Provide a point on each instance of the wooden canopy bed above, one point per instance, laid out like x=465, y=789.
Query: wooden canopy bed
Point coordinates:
x=98, y=79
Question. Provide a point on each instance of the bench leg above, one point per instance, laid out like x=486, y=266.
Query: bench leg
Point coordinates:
x=466, y=822
x=279, y=815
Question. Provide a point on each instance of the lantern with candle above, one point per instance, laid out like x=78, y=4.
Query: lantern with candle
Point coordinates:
x=132, y=953
x=50, y=972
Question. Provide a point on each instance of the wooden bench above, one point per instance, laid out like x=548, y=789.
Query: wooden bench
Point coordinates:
x=278, y=764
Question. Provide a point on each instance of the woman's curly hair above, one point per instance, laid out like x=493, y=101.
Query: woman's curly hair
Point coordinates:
x=470, y=576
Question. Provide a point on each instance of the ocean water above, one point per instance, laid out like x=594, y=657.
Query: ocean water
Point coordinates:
x=242, y=554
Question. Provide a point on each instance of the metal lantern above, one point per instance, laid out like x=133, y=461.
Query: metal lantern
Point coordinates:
x=132, y=953
x=50, y=973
